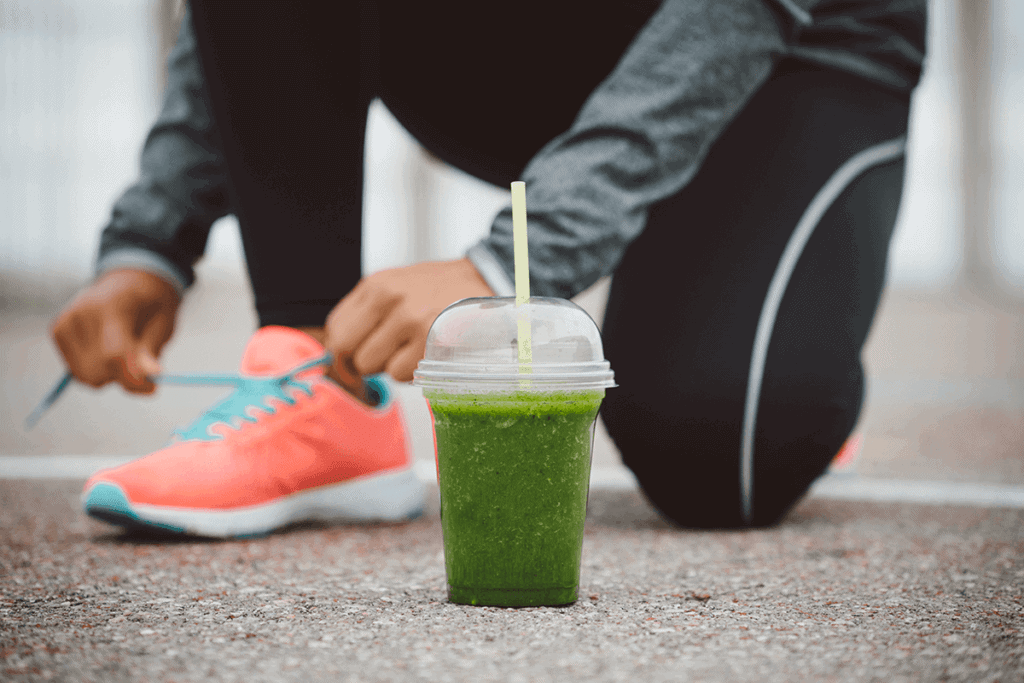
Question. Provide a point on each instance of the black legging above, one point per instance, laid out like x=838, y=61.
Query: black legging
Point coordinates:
x=738, y=358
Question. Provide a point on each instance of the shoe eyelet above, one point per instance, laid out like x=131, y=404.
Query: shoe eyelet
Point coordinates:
x=216, y=435
x=297, y=390
x=253, y=412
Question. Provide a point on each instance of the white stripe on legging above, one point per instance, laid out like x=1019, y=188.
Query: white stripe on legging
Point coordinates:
x=799, y=13
x=840, y=180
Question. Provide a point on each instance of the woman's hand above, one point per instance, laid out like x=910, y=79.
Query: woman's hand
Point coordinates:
x=114, y=330
x=382, y=325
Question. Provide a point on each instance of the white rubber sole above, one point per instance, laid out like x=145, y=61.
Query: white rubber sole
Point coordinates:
x=394, y=496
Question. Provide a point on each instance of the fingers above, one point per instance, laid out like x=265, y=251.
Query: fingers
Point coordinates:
x=115, y=329
x=382, y=343
x=121, y=354
x=382, y=324
x=357, y=316
x=404, y=362
x=146, y=366
x=76, y=337
x=344, y=374
x=141, y=358
x=373, y=327
x=156, y=332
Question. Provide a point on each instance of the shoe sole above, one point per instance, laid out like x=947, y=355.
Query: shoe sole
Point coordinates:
x=390, y=497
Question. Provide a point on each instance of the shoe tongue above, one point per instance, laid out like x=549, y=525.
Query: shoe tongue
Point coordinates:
x=276, y=350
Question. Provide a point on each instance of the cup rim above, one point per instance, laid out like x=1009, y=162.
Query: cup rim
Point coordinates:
x=579, y=375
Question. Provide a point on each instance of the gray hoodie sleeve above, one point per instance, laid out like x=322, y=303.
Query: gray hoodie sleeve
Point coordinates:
x=161, y=223
x=638, y=139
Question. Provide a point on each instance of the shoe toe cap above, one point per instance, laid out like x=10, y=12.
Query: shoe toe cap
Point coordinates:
x=106, y=501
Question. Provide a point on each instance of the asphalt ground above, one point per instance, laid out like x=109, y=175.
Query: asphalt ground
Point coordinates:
x=839, y=591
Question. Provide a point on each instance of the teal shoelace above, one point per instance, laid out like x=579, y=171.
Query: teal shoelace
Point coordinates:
x=250, y=393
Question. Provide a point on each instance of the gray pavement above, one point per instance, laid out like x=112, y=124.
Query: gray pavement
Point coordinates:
x=839, y=592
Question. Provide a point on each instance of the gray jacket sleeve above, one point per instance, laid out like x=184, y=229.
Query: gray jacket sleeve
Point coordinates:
x=161, y=223
x=639, y=138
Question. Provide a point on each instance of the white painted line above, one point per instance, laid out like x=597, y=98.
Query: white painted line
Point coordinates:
x=57, y=466
x=968, y=494
x=944, y=392
x=612, y=478
x=832, y=486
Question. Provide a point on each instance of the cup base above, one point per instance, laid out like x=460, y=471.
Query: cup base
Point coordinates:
x=511, y=597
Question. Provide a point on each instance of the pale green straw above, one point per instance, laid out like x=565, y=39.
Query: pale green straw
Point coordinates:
x=522, y=265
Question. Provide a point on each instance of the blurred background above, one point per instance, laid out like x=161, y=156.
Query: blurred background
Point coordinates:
x=82, y=82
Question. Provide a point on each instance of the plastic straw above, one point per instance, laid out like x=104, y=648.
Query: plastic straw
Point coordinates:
x=522, y=264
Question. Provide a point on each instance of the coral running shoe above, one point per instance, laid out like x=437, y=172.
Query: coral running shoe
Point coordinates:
x=282, y=448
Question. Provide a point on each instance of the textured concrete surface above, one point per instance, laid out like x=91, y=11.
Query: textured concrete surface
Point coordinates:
x=839, y=592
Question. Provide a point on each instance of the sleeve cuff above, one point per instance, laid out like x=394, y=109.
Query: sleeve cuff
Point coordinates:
x=491, y=270
x=148, y=261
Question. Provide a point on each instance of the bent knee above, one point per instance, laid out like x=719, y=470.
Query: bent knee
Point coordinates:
x=686, y=452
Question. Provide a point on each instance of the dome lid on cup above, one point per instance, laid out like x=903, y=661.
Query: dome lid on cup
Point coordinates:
x=473, y=345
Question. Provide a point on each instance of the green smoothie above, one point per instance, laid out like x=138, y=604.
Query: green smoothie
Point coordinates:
x=514, y=472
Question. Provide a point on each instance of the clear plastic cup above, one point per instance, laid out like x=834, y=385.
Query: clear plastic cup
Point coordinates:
x=514, y=443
